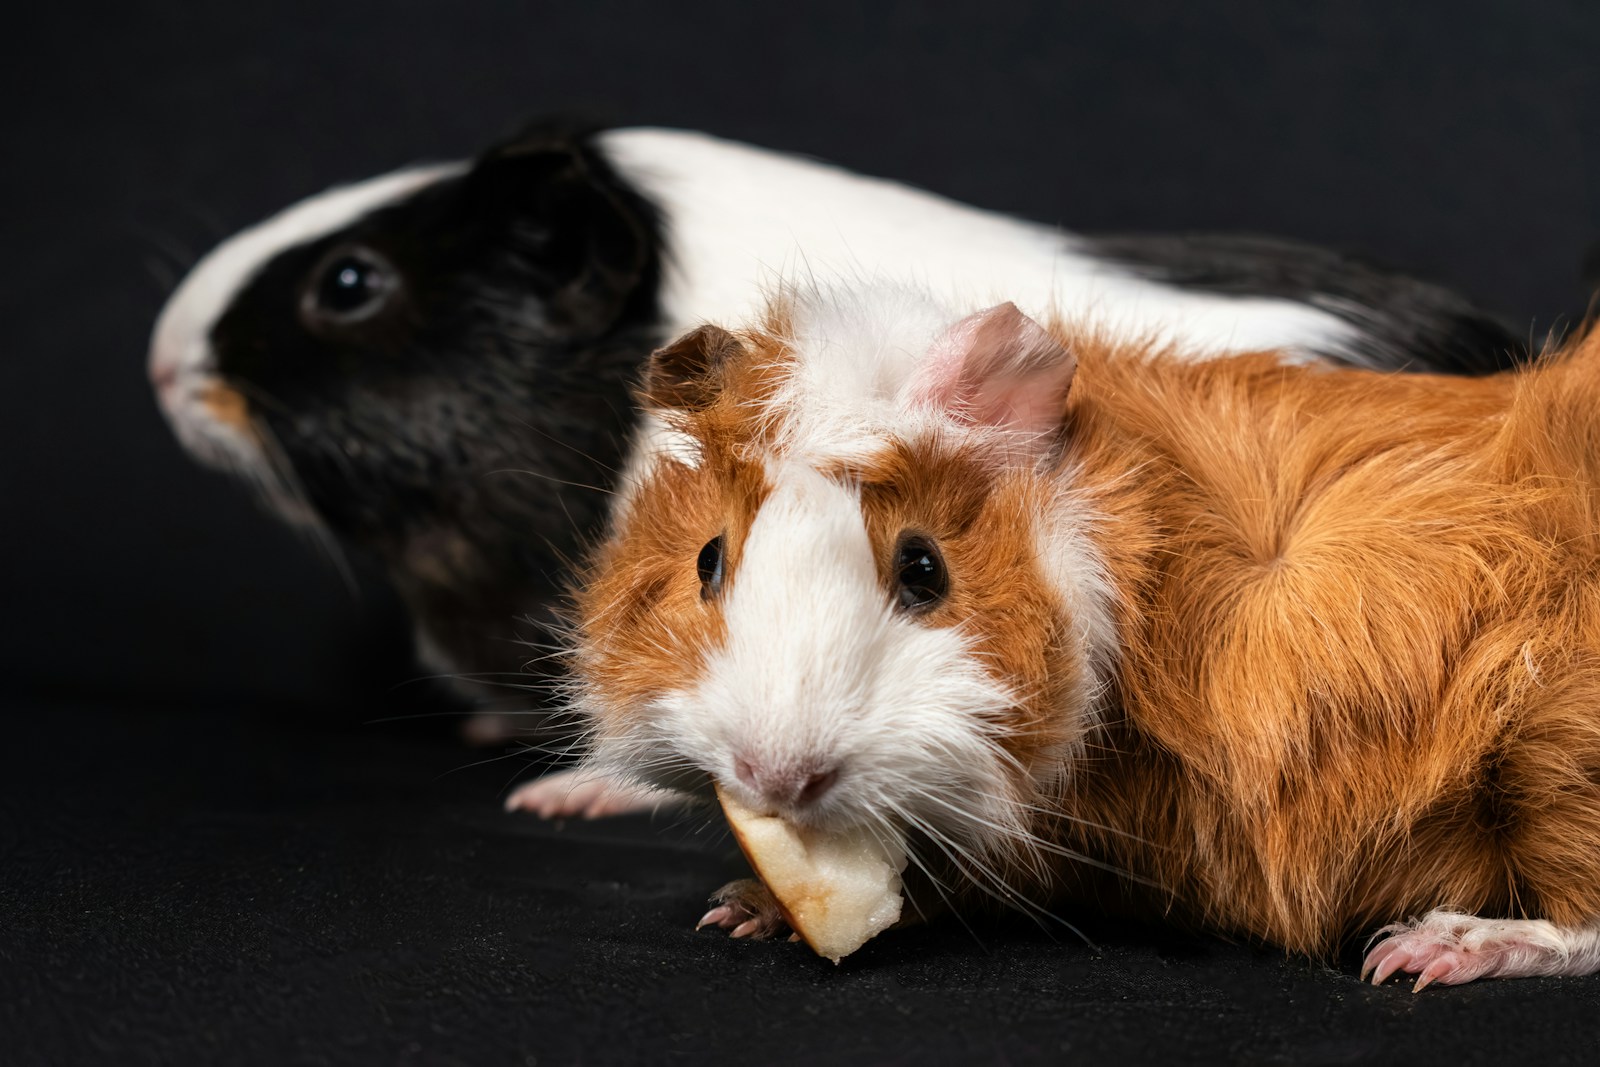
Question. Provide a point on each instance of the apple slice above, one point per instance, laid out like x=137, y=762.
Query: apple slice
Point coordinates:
x=837, y=890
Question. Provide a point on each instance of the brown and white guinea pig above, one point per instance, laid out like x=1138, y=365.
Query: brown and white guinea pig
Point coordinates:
x=435, y=365
x=1308, y=650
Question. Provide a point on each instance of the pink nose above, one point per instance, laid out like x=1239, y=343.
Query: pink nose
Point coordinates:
x=162, y=375
x=786, y=784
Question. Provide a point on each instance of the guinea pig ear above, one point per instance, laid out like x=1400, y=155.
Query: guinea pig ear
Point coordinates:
x=686, y=374
x=999, y=368
x=561, y=216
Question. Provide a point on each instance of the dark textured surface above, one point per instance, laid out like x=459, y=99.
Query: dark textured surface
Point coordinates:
x=217, y=889
x=196, y=865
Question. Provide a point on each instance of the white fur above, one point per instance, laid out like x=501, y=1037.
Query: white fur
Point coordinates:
x=856, y=356
x=180, y=350
x=1065, y=544
x=818, y=671
x=740, y=217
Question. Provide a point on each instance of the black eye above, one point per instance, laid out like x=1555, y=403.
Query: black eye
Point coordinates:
x=920, y=578
x=710, y=567
x=349, y=285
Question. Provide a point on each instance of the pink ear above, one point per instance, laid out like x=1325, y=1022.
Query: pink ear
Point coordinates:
x=999, y=368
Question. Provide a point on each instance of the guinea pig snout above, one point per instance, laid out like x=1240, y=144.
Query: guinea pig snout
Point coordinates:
x=162, y=374
x=784, y=784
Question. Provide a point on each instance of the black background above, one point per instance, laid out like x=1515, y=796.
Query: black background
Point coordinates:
x=166, y=641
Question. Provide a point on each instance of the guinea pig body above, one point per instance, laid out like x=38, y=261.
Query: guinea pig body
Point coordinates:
x=435, y=366
x=1299, y=651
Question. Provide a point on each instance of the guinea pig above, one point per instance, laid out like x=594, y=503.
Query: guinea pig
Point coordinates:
x=1300, y=652
x=435, y=366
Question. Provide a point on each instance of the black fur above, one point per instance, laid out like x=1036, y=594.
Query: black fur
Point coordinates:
x=1404, y=323
x=468, y=432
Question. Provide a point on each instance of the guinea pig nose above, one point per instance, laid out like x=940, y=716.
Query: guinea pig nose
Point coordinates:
x=162, y=375
x=785, y=785
x=745, y=773
x=814, y=785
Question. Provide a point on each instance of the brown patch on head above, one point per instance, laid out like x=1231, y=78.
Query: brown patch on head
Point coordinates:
x=227, y=406
x=644, y=623
x=978, y=513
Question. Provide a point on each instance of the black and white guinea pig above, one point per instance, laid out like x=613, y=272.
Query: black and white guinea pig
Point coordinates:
x=377, y=358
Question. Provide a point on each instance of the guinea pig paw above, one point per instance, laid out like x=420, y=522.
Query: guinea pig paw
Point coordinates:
x=1450, y=948
x=746, y=909
x=583, y=794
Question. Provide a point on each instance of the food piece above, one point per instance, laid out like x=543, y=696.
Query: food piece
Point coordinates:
x=837, y=890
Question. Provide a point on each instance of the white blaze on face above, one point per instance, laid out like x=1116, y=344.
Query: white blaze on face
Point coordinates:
x=819, y=671
x=805, y=618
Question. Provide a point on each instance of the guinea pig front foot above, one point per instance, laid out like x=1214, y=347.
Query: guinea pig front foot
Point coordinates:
x=1450, y=948
x=584, y=794
x=746, y=909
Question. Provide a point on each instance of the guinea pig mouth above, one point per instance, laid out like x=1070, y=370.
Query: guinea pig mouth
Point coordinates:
x=212, y=420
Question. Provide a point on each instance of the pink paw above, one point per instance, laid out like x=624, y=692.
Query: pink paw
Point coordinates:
x=746, y=909
x=1449, y=948
x=583, y=794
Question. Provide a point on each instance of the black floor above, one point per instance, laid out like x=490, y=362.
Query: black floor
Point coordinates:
x=224, y=887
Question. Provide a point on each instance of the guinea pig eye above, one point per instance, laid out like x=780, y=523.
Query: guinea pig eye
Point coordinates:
x=920, y=578
x=349, y=285
x=710, y=567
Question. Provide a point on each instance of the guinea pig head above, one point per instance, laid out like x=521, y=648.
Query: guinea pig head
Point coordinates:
x=839, y=591
x=376, y=357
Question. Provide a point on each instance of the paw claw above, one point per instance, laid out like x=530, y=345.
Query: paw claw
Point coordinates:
x=1393, y=959
x=745, y=909
x=1440, y=970
x=1451, y=948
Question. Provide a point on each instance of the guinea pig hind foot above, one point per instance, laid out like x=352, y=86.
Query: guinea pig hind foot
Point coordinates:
x=1451, y=948
x=585, y=794
x=746, y=909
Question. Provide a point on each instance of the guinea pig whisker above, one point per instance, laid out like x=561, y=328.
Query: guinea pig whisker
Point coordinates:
x=546, y=652
x=991, y=883
x=514, y=753
x=934, y=880
x=454, y=713
x=162, y=273
x=608, y=468
x=208, y=221
x=178, y=256
x=288, y=483
x=463, y=676
x=552, y=479
x=1034, y=841
x=1054, y=813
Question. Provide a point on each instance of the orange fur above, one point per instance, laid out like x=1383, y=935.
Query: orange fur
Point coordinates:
x=228, y=407
x=1360, y=627
x=970, y=510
